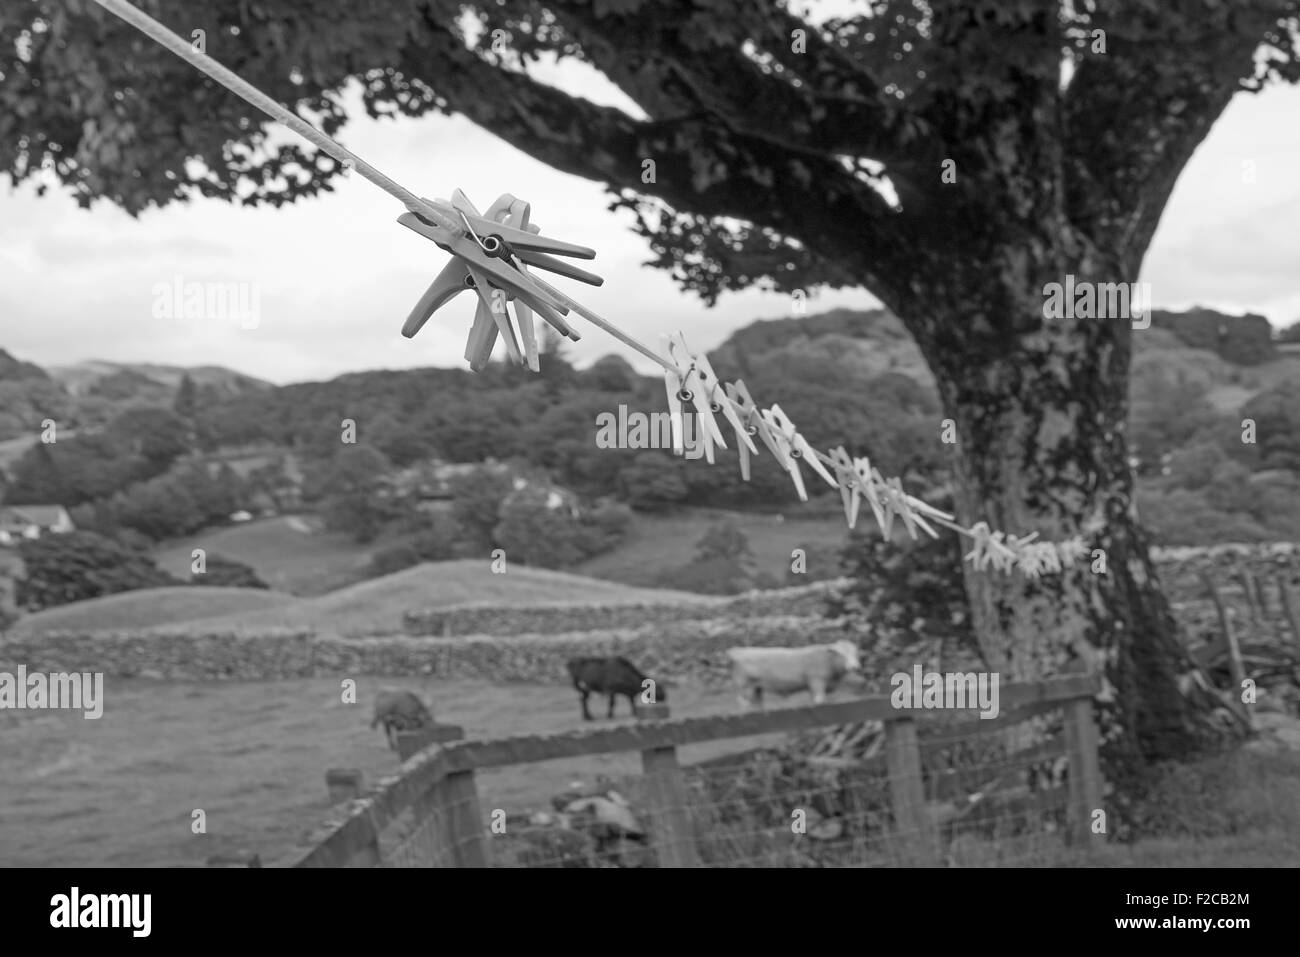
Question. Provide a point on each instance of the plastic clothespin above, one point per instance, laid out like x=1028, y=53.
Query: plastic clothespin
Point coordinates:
x=749, y=414
x=491, y=255
x=683, y=383
x=847, y=479
x=869, y=483
x=718, y=397
x=794, y=447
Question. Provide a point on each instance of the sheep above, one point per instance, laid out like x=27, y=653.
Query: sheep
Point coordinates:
x=786, y=671
x=612, y=676
x=399, y=711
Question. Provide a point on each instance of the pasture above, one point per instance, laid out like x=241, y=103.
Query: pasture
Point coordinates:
x=289, y=552
x=148, y=607
x=120, y=791
x=660, y=543
x=368, y=607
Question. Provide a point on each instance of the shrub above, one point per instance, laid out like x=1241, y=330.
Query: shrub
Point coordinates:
x=76, y=565
x=225, y=572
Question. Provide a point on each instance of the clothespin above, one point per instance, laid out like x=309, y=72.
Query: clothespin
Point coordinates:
x=869, y=481
x=847, y=479
x=491, y=255
x=683, y=383
x=793, y=448
x=979, y=553
x=749, y=414
x=717, y=396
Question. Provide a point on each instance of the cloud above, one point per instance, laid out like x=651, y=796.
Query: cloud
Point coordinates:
x=336, y=276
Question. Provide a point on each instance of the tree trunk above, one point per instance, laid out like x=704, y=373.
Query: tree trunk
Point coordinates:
x=1040, y=406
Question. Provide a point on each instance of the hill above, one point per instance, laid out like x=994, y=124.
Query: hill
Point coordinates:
x=147, y=607
x=378, y=605
x=290, y=553
x=85, y=378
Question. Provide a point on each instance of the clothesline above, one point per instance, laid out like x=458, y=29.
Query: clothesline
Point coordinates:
x=496, y=267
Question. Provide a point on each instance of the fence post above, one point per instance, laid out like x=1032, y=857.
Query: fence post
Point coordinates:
x=462, y=818
x=1085, y=782
x=911, y=819
x=670, y=824
x=345, y=784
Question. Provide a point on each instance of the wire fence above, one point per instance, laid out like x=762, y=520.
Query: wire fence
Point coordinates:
x=904, y=789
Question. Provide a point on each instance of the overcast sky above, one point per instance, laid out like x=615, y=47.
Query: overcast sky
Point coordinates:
x=336, y=276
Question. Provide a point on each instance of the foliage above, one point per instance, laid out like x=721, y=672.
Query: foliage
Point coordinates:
x=1276, y=412
x=70, y=567
x=477, y=504
x=723, y=564
x=903, y=590
x=355, y=495
x=227, y=573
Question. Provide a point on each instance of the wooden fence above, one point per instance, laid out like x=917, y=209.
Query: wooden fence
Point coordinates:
x=437, y=784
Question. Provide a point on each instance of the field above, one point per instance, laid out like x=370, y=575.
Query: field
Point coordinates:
x=290, y=553
x=369, y=607
x=660, y=543
x=148, y=607
x=121, y=790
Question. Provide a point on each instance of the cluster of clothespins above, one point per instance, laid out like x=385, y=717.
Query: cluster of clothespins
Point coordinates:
x=492, y=254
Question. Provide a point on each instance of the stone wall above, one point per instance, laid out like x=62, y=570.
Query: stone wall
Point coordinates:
x=506, y=620
x=692, y=650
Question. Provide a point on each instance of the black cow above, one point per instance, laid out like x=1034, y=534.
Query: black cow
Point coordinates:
x=612, y=676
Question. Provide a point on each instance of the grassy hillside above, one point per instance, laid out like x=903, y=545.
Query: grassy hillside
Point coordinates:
x=290, y=553
x=660, y=543
x=378, y=604
x=150, y=606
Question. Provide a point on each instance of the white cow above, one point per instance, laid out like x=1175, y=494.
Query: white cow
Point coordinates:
x=787, y=671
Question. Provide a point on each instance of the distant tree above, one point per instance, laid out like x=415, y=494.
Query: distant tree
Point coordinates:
x=63, y=568
x=477, y=502
x=609, y=374
x=534, y=534
x=653, y=481
x=355, y=492
x=227, y=573
x=724, y=540
x=1276, y=412
x=186, y=403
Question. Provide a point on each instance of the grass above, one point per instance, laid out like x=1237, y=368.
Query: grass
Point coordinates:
x=290, y=553
x=377, y=605
x=660, y=543
x=148, y=607
x=369, y=607
x=121, y=790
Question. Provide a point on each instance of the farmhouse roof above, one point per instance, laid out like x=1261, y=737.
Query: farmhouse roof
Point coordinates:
x=46, y=516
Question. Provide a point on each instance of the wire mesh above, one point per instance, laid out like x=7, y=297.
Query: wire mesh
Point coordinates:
x=989, y=798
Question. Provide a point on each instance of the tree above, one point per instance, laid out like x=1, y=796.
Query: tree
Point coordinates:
x=227, y=573
x=995, y=125
x=355, y=493
x=77, y=565
x=186, y=403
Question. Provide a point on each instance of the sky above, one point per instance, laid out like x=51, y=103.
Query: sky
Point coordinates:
x=334, y=277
